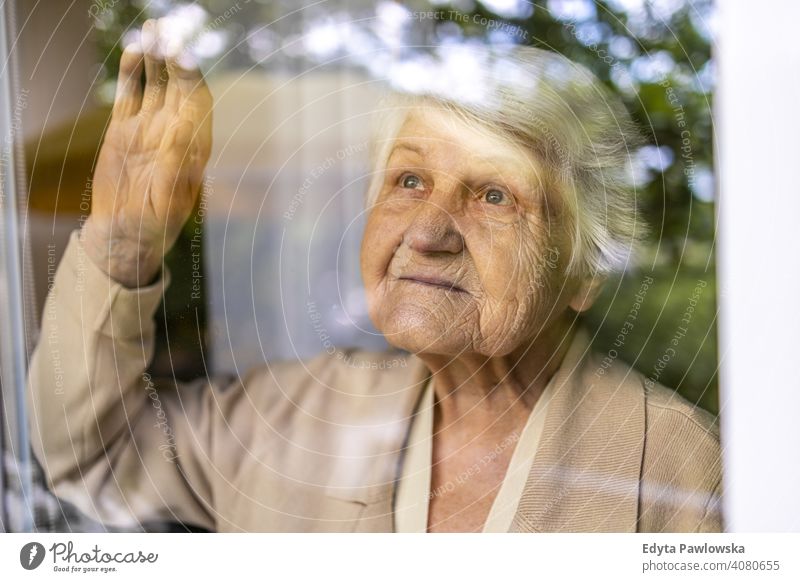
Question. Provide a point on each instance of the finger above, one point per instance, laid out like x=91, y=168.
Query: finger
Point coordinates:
x=128, y=98
x=184, y=72
x=185, y=81
x=154, y=68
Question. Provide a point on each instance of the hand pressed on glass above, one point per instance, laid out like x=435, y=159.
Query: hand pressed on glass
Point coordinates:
x=150, y=168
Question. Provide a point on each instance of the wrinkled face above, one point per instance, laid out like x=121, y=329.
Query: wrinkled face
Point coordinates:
x=463, y=252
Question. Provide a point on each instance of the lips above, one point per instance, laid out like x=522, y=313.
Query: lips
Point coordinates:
x=430, y=281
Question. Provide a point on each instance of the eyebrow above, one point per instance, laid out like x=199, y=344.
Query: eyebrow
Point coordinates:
x=421, y=150
x=412, y=147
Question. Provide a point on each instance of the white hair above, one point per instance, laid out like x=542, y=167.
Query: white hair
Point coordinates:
x=562, y=113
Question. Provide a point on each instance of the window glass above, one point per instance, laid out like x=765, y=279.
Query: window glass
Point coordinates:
x=267, y=267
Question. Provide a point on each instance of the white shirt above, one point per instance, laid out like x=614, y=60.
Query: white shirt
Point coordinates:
x=413, y=489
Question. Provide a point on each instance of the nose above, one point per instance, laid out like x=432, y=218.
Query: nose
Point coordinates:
x=433, y=229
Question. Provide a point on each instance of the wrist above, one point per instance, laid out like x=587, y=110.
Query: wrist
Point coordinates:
x=132, y=263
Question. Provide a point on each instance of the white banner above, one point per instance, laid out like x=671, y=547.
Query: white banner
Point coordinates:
x=387, y=557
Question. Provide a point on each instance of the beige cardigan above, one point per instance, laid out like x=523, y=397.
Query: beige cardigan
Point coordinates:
x=317, y=445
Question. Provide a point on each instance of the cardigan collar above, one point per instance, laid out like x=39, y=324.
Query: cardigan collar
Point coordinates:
x=585, y=476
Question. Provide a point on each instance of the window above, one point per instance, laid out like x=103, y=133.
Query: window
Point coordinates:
x=267, y=266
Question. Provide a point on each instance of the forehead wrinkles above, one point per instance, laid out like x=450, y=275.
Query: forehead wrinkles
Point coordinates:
x=428, y=133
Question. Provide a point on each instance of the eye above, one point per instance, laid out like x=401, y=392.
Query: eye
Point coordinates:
x=497, y=197
x=411, y=182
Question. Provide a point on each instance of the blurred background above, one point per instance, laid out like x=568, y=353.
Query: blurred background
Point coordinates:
x=275, y=273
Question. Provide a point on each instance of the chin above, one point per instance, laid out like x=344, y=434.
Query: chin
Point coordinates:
x=415, y=329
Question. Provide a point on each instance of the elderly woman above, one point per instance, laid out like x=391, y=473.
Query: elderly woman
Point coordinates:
x=494, y=217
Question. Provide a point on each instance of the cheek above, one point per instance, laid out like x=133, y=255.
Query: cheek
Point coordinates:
x=504, y=261
x=518, y=273
x=382, y=235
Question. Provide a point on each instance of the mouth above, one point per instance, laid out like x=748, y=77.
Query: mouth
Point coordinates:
x=434, y=282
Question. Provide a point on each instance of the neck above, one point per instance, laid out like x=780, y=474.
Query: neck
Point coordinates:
x=499, y=388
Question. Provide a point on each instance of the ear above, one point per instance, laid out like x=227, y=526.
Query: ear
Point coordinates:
x=587, y=292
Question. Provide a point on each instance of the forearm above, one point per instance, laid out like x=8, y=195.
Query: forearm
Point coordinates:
x=107, y=437
x=96, y=341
